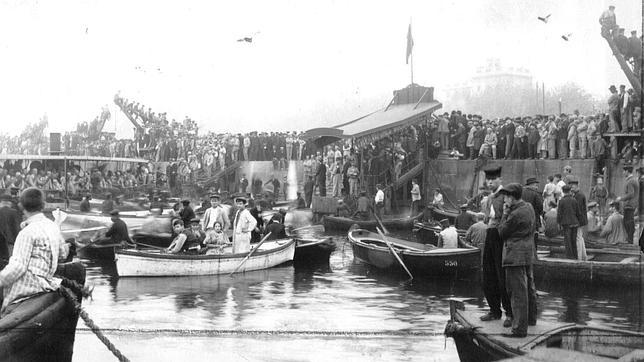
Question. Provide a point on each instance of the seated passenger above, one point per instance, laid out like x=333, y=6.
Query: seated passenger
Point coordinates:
x=448, y=237
x=180, y=237
x=216, y=241
x=276, y=228
x=343, y=209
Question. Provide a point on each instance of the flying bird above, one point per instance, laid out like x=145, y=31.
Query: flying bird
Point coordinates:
x=566, y=37
x=248, y=39
x=544, y=19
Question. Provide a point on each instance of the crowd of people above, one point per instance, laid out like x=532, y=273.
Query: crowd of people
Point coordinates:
x=630, y=48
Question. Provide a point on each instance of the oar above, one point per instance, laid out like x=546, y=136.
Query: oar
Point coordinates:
x=250, y=253
x=384, y=229
x=391, y=248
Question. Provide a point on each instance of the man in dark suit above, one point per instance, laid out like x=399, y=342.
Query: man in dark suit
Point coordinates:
x=118, y=231
x=583, y=217
x=532, y=196
x=465, y=219
x=516, y=229
x=9, y=228
x=493, y=274
x=568, y=217
x=320, y=177
x=186, y=213
x=630, y=199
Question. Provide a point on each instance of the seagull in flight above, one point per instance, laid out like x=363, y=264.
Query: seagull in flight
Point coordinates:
x=545, y=18
x=248, y=39
x=566, y=37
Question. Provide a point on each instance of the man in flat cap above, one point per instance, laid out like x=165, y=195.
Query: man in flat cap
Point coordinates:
x=448, y=237
x=630, y=199
x=243, y=225
x=215, y=213
x=594, y=220
x=493, y=275
x=516, y=229
x=465, y=219
x=533, y=197
x=568, y=218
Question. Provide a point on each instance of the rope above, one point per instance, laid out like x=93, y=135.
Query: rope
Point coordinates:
x=88, y=321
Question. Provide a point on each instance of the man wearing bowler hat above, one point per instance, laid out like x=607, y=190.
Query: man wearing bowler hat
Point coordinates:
x=516, y=229
x=493, y=275
x=568, y=218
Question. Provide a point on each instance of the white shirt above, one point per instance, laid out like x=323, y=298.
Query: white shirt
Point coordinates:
x=415, y=193
x=380, y=196
x=449, y=237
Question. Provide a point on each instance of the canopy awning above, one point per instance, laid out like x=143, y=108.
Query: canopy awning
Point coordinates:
x=324, y=135
x=386, y=121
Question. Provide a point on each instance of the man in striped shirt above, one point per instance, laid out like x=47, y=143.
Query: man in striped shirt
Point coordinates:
x=35, y=255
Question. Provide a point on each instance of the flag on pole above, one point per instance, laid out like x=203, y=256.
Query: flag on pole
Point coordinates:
x=410, y=44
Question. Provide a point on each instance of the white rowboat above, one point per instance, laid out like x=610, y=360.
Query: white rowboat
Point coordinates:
x=131, y=263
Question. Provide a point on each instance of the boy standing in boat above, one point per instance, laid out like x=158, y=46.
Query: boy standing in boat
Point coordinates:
x=243, y=224
x=516, y=229
x=35, y=256
x=493, y=275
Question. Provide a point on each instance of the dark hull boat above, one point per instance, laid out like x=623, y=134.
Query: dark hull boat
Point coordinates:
x=421, y=259
x=603, y=266
x=41, y=328
x=337, y=223
x=484, y=341
x=313, y=251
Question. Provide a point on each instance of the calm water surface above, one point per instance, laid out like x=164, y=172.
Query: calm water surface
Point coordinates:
x=343, y=310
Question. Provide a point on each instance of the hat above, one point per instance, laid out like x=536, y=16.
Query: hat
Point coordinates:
x=6, y=197
x=573, y=181
x=614, y=203
x=513, y=189
x=463, y=207
x=493, y=172
x=214, y=196
x=241, y=198
x=177, y=221
x=114, y=212
x=592, y=204
x=531, y=180
x=566, y=188
x=612, y=87
x=195, y=220
x=185, y=202
x=568, y=167
x=444, y=223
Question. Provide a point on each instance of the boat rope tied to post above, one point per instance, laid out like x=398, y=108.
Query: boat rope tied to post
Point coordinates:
x=65, y=284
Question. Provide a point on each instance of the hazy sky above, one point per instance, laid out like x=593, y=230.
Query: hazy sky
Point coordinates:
x=313, y=63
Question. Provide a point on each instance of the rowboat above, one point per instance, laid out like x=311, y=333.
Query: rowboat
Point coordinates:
x=91, y=219
x=41, y=328
x=420, y=259
x=313, y=251
x=131, y=262
x=426, y=233
x=440, y=214
x=607, y=266
x=337, y=223
x=484, y=341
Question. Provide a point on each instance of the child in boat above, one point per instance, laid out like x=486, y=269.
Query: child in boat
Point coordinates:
x=216, y=241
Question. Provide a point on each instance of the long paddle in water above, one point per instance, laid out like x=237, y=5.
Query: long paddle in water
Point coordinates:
x=250, y=253
x=391, y=248
x=384, y=229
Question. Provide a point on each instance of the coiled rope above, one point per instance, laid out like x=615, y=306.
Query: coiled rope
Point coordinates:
x=66, y=285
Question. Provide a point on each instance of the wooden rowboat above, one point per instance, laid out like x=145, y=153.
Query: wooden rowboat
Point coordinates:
x=337, y=223
x=131, y=262
x=484, y=341
x=41, y=328
x=313, y=251
x=421, y=259
x=604, y=266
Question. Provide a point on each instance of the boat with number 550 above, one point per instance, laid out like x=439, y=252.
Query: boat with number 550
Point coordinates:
x=420, y=259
